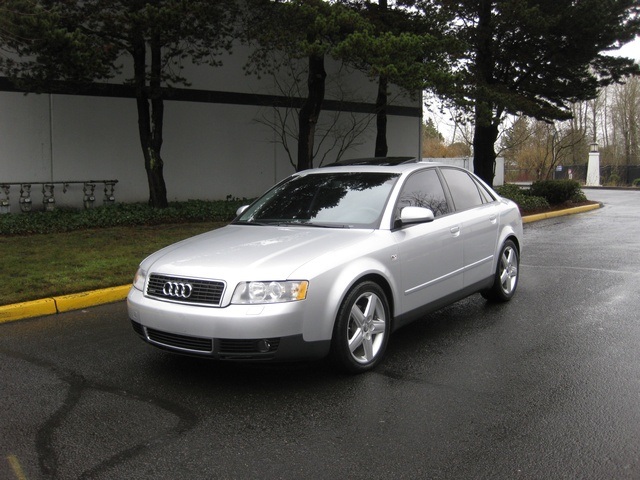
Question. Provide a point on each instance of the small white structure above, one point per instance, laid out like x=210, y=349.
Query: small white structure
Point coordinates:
x=593, y=168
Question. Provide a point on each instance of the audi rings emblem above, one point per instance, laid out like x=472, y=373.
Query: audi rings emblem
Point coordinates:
x=177, y=289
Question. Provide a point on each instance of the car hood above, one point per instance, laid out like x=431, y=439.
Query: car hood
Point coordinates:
x=251, y=252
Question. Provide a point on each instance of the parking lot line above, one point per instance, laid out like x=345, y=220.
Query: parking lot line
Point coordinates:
x=15, y=466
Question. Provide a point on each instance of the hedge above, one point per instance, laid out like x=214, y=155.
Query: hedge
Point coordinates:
x=121, y=214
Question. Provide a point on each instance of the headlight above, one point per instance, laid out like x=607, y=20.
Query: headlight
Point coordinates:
x=250, y=293
x=139, y=279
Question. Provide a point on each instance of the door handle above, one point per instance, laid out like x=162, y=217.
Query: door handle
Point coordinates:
x=455, y=231
x=493, y=218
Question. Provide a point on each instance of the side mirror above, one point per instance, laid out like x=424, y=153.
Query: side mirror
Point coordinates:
x=241, y=210
x=413, y=215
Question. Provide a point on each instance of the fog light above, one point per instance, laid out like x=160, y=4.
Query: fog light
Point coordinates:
x=264, y=346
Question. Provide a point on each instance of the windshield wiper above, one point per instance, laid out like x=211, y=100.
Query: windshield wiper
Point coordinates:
x=245, y=222
x=291, y=223
x=312, y=224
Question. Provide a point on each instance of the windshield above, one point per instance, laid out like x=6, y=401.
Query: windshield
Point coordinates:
x=350, y=199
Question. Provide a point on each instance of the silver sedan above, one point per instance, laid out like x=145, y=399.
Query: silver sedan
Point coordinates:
x=330, y=261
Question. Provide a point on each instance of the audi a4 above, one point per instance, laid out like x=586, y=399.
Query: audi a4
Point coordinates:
x=329, y=262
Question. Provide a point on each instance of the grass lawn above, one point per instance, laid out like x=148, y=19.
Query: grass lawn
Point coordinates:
x=41, y=266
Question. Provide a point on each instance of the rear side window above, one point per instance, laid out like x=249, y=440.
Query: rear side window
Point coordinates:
x=463, y=188
x=423, y=189
x=486, y=195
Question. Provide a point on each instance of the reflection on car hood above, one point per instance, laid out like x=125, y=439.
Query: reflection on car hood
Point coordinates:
x=250, y=250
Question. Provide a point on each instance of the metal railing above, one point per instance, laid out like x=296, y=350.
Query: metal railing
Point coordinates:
x=48, y=194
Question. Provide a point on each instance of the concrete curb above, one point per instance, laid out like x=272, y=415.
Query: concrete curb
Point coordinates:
x=560, y=213
x=63, y=303
x=77, y=301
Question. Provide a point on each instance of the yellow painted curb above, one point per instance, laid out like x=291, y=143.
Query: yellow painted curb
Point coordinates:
x=36, y=308
x=63, y=303
x=560, y=213
x=76, y=301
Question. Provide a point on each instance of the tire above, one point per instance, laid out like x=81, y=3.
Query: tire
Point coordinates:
x=507, y=272
x=362, y=329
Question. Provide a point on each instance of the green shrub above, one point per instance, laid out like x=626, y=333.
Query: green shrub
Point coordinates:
x=525, y=200
x=528, y=203
x=509, y=190
x=613, y=180
x=121, y=214
x=557, y=191
x=636, y=182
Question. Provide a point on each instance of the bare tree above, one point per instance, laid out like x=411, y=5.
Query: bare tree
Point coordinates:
x=625, y=113
x=539, y=147
x=336, y=131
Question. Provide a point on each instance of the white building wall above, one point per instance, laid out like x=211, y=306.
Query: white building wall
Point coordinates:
x=25, y=137
x=210, y=150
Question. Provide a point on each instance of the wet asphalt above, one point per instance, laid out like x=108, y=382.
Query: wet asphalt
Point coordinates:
x=546, y=386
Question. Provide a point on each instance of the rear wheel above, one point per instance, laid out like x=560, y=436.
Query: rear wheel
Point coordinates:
x=506, y=276
x=362, y=328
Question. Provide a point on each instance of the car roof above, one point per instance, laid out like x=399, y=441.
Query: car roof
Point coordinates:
x=361, y=165
x=373, y=161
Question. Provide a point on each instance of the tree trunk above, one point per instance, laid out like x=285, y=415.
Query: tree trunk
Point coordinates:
x=381, y=100
x=310, y=111
x=486, y=128
x=150, y=120
x=485, y=135
x=381, y=117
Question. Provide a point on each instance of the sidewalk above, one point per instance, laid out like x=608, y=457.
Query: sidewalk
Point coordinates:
x=77, y=301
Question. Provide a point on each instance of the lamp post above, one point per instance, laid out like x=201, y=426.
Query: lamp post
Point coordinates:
x=593, y=167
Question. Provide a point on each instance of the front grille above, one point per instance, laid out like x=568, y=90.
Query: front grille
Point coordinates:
x=202, y=292
x=180, y=341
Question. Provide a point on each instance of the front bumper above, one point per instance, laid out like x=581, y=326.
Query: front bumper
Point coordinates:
x=237, y=332
x=275, y=349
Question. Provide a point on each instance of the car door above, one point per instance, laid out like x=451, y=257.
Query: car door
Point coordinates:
x=477, y=214
x=430, y=253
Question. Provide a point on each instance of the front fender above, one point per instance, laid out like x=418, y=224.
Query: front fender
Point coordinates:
x=328, y=289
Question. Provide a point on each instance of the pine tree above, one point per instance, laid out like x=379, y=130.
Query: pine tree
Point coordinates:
x=534, y=57
x=82, y=41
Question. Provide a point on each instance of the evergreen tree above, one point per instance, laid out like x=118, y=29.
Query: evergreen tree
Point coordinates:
x=300, y=30
x=404, y=47
x=389, y=43
x=533, y=57
x=80, y=41
x=430, y=131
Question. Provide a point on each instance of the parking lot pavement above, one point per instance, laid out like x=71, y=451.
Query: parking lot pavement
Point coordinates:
x=544, y=386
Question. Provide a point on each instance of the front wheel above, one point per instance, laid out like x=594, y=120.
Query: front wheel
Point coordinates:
x=362, y=328
x=506, y=276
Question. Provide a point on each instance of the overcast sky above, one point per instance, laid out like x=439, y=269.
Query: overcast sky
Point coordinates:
x=631, y=50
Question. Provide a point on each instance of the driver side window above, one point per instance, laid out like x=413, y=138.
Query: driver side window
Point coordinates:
x=423, y=189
